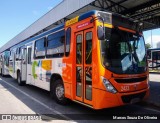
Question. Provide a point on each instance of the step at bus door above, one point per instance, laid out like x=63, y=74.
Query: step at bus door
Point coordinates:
x=84, y=66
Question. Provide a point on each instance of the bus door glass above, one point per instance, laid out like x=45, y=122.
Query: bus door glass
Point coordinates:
x=23, y=63
x=29, y=65
x=84, y=66
x=14, y=62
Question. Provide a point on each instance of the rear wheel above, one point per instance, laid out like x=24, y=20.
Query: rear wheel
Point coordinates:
x=58, y=92
x=20, y=82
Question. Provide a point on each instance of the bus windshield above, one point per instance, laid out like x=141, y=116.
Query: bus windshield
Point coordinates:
x=123, y=52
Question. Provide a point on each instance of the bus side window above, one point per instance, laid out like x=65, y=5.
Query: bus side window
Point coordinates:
x=148, y=54
x=55, y=44
x=10, y=57
x=6, y=58
x=29, y=55
x=154, y=56
x=17, y=54
x=0, y=58
x=20, y=54
x=68, y=40
x=158, y=55
x=40, y=49
x=24, y=55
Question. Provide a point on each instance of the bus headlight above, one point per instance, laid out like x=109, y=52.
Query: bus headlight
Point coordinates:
x=108, y=85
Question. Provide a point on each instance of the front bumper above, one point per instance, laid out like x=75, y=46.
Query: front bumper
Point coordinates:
x=104, y=99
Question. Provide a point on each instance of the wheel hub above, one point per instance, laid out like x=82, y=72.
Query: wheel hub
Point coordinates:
x=60, y=92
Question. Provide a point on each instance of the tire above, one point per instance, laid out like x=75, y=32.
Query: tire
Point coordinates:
x=57, y=92
x=20, y=82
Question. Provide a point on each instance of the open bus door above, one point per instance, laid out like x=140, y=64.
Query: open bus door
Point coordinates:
x=83, y=42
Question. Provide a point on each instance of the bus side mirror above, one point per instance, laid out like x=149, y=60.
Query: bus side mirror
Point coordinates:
x=101, y=33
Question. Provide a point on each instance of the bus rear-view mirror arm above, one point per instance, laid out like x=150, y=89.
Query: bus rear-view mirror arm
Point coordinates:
x=101, y=29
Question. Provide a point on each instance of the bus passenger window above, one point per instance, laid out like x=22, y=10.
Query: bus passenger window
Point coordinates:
x=40, y=48
x=24, y=55
x=68, y=40
x=0, y=58
x=20, y=54
x=158, y=55
x=148, y=54
x=17, y=54
x=29, y=55
x=55, y=47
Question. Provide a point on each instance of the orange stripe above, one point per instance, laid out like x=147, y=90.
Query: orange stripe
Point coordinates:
x=125, y=29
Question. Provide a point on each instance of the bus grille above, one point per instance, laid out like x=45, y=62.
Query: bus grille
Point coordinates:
x=131, y=80
x=128, y=98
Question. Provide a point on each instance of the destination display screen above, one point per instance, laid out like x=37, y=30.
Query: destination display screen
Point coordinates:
x=119, y=20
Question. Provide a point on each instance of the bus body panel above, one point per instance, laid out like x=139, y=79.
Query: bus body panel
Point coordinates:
x=107, y=100
x=43, y=69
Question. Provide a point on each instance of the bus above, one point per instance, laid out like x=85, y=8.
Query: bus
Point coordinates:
x=97, y=59
x=4, y=63
x=153, y=56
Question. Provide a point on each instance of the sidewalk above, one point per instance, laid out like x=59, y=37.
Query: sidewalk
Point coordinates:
x=154, y=98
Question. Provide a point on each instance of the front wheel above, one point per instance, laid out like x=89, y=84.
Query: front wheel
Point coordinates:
x=58, y=92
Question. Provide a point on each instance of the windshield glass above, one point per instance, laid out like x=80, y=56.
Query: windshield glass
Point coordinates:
x=123, y=52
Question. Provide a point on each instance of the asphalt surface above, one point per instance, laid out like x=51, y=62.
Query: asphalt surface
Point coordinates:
x=154, y=98
x=28, y=100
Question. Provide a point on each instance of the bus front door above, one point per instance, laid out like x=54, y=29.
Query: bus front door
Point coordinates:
x=83, y=67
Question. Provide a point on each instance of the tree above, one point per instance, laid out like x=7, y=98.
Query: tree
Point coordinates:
x=148, y=45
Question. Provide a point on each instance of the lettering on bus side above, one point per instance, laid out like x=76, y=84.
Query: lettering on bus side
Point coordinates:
x=83, y=25
x=72, y=21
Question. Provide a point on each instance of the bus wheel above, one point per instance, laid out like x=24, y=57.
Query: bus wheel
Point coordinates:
x=19, y=79
x=58, y=92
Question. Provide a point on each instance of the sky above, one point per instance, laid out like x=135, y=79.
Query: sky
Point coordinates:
x=152, y=37
x=17, y=15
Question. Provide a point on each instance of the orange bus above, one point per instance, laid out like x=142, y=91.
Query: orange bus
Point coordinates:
x=97, y=59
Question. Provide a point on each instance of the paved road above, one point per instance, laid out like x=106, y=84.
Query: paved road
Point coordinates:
x=28, y=99
x=154, y=90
